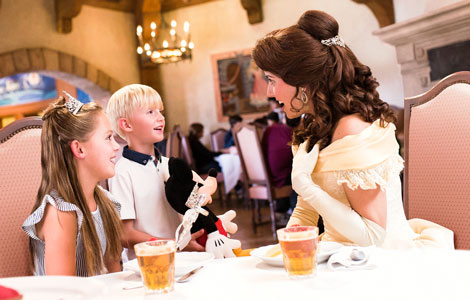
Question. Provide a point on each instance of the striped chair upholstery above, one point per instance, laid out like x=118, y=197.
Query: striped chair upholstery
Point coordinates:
x=437, y=164
x=20, y=176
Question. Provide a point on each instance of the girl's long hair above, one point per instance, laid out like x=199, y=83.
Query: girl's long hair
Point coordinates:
x=337, y=83
x=59, y=174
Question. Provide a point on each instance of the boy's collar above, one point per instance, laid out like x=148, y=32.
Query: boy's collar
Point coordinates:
x=140, y=158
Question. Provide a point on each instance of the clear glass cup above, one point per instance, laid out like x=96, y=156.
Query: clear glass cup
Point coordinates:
x=157, y=265
x=299, y=248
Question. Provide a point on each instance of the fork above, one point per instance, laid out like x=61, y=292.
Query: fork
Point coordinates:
x=182, y=279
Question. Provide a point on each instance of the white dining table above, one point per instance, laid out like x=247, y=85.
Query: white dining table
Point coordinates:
x=399, y=274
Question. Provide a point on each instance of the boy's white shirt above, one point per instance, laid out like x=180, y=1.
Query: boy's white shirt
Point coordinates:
x=140, y=189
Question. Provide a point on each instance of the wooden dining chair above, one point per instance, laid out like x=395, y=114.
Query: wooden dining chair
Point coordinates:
x=217, y=139
x=257, y=180
x=20, y=177
x=173, y=144
x=437, y=163
x=178, y=146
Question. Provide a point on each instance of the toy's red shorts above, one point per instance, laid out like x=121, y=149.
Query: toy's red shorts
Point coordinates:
x=203, y=238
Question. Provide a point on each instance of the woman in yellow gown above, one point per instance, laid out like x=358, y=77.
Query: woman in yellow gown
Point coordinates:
x=346, y=163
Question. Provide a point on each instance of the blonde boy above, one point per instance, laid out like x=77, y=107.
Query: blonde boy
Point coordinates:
x=135, y=112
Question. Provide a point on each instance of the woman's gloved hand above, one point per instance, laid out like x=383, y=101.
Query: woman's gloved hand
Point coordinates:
x=302, y=167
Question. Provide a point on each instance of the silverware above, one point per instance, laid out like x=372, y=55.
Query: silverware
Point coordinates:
x=133, y=287
x=182, y=279
x=357, y=255
x=186, y=277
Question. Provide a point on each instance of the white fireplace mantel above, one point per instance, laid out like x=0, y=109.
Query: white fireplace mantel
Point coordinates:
x=412, y=38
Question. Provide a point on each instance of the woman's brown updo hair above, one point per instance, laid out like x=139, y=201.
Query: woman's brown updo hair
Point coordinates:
x=337, y=83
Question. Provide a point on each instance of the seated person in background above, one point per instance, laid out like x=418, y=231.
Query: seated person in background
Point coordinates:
x=278, y=154
x=203, y=157
x=74, y=228
x=275, y=106
x=229, y=141
x=141, y=173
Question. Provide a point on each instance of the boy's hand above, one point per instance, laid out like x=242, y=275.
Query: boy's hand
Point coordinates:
x=193, y=245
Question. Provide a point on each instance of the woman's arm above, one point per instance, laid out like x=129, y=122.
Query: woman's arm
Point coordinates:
x=59, y=232
x=370, y=204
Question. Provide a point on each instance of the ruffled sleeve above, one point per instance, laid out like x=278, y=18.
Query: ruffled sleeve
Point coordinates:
x=365, y=160
x=29, y=226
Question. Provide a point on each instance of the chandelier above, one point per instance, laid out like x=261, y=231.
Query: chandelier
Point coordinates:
x=174, y=47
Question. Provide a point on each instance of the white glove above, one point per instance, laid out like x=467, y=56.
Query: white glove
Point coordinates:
x=220, y=245
x=342, y=218
x=227, y=223
x=184, y=240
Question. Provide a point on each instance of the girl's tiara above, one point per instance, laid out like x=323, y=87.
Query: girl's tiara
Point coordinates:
x=72, y=104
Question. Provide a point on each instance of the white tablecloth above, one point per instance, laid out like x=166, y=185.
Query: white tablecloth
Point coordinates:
x=400, y=274
x=231, y=169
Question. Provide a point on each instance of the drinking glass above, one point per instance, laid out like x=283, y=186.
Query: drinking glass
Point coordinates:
x=299, y=247
x=157, y=265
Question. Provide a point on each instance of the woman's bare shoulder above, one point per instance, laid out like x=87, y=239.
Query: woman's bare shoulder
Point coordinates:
x=349, y=125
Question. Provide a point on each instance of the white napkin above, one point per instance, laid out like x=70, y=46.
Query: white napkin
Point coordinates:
x=231, y=169
x=342, y=260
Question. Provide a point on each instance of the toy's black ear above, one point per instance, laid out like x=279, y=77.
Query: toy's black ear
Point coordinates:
x=180, y=170
x=213, y=172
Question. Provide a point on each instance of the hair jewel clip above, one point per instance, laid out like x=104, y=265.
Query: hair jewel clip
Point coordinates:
x=336, y=40
x=72, y=104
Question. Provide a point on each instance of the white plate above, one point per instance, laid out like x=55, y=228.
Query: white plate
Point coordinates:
x=260, y=253
x=184, y=262
x=56, y=287
x=325, y=250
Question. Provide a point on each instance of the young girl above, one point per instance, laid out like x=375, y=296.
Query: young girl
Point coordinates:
x=74, y=228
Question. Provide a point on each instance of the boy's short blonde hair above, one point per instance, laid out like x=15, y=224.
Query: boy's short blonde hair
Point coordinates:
x=123, y=103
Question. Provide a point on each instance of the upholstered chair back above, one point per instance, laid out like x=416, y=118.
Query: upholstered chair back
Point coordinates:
x=437, y=160
x=20, y=176
x=217, y=139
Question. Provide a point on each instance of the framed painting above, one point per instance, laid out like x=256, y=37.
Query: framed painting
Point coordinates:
x=240, y=86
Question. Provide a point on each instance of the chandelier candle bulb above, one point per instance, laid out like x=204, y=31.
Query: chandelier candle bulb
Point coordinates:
x=164, y=45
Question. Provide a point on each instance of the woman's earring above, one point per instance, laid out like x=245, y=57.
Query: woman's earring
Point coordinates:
x=303, y=96
x=303, y=99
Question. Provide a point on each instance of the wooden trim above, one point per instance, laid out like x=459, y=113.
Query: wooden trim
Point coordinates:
x=458, y=77
x=26, y=123
x=383, y=10
x=23, y=109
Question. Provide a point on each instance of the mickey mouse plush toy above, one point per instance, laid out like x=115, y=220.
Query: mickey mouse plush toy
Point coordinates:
x=181, y=189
